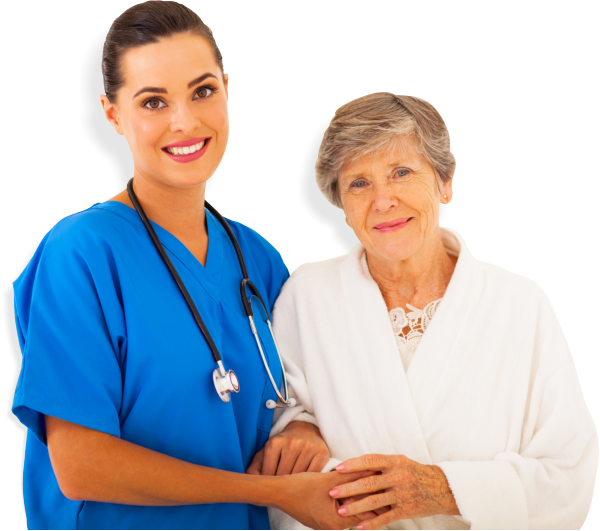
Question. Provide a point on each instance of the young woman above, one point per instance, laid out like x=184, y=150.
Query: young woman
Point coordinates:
x=129, y=327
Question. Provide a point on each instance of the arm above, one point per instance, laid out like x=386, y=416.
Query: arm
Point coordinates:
x=96, y=466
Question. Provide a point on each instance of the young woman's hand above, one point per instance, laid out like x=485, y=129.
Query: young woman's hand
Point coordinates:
x=298, y=448
x=307, y=499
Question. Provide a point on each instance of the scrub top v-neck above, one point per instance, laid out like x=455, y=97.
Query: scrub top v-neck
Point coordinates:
x=109, y=343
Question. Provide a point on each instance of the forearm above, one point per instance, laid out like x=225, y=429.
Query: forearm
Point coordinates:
x=95, y=466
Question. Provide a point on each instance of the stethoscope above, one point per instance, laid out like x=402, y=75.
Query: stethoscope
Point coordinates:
x=226, y=382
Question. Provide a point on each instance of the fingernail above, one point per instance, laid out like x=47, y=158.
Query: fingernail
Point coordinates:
x=359, y=527
x=342, y=510
x=339, y=468
x=334, y=492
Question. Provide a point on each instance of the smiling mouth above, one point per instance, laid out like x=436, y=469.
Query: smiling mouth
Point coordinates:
x=391, y=225
x=186, y=150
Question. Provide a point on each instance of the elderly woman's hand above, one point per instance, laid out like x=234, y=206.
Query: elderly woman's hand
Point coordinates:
x=411, y=489
x=298, y=448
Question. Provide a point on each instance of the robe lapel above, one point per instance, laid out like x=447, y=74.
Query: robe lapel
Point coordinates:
x=376, y=352
x=433, y=357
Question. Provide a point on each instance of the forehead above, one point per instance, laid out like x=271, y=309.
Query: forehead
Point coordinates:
x=399, y=153
x=170, y=62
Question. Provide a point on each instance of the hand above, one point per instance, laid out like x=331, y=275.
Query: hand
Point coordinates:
x=306, y=498
x=411, y=489
x=298, y=448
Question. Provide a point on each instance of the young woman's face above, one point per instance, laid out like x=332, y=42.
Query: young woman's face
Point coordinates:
x=172, y=109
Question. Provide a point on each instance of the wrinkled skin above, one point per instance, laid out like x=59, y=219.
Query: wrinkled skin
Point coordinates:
x=409, y=489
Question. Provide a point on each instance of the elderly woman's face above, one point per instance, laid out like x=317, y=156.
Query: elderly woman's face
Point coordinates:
x=172, y=109
x=391, y=200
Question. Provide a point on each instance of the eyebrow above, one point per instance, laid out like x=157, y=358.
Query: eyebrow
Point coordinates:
x=389, y=166
x=164, y=91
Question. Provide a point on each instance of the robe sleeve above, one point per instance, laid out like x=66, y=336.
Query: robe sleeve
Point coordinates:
x=549, y=483
x=286, y=330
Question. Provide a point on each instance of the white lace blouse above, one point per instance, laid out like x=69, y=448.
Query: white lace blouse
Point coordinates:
x=410, y=327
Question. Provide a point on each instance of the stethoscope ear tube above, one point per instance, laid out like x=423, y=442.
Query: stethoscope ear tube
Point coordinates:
x=174, y=274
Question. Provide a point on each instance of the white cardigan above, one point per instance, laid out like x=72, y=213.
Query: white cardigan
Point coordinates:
x=491, y=395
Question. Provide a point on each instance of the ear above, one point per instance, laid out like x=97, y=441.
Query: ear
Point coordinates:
x=111, y=113
x=447, y=191
x=226, y=83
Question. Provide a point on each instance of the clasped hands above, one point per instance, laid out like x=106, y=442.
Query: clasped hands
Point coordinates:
x=369, y=492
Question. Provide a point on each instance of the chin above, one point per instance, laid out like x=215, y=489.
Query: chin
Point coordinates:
x=398, y=251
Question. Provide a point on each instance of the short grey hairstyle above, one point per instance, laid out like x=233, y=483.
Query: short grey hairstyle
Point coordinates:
x=375, y=122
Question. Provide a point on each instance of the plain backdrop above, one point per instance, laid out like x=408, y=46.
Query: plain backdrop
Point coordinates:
x=524, y=194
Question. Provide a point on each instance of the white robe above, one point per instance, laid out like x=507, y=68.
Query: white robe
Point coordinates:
x=491, y=395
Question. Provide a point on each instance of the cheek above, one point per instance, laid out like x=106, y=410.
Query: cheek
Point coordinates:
x=217, y=118
x=146, y=132
x=356, y=209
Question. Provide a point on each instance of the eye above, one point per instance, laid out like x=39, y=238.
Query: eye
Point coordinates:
x=208, y=91
x=152, y=100
x=358, y=184
x=402, y=173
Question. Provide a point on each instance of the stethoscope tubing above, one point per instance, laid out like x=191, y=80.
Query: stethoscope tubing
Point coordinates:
x=246, y=283
x=174, y=273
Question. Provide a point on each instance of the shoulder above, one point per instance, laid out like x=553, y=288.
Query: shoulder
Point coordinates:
x=81, y=229
x=258, y=244
x=314, y=278
x=260, y=252
x=75, y=243
x=508, y=284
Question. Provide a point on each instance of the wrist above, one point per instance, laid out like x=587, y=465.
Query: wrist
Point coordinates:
x=300, y=424
x=444, y=497
x=268, y=491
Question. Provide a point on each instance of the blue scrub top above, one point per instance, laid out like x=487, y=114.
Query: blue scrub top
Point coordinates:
x=109, y=343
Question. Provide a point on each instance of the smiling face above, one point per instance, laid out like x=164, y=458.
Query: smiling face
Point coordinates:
x=391, y=200
x=172, y=109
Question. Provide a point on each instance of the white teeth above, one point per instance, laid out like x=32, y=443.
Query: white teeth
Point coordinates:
x=187, y=149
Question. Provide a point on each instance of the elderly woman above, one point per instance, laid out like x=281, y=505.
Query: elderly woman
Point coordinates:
x=448, y=376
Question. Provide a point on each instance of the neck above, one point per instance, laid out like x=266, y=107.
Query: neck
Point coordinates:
x=177, y=210
x=417, y=280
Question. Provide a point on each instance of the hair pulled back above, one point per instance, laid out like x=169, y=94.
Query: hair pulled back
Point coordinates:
x=143, y=24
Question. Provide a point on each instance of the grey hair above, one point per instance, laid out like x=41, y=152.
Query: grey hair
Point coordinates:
x=376, y=122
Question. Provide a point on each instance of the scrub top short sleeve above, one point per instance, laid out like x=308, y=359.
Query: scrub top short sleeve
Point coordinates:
x=109, y=343
x=71, y=329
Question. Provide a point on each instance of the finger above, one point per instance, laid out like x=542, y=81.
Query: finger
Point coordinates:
x=256, y=465
x=366, y=516
x=286, y=462
x=380, y=521
x=370, y=503
x=271, y=460
x=366, y=485
x=302, y=463
x=318, y=462
x=364, y=462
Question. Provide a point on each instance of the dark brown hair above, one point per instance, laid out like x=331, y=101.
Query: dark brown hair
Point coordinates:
x=146, y=23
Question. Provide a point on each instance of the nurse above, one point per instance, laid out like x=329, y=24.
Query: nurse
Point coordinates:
x=125, y=427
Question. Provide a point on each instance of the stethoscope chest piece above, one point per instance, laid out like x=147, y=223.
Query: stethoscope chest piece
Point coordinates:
x=225, y=384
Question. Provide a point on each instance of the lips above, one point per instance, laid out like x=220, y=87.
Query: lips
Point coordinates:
x=391, y=223
x=189, y=142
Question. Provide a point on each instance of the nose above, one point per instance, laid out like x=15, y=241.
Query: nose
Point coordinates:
x=183, y=120
x=384, y=198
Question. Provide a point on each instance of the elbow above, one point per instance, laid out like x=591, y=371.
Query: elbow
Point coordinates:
x=69, y=485
x=71, y=491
